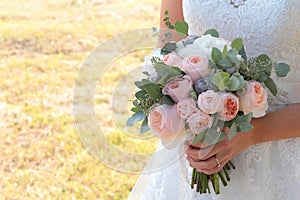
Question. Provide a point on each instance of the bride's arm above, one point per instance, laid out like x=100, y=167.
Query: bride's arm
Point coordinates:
x=280, y=124
x=175, y=14
x=175, y=11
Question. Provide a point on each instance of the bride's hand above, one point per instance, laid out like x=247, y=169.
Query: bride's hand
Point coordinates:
x=211, y=159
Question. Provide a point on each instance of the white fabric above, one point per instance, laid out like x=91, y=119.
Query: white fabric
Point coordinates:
x=265, y=171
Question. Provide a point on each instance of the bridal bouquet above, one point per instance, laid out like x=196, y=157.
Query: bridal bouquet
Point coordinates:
x=202, y=86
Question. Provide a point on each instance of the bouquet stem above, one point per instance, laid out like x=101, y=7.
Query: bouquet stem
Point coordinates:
x=201, y=180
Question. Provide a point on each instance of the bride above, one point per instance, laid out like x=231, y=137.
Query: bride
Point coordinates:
x=268, y=157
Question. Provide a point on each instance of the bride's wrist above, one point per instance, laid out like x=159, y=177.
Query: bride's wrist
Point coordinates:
x=254, y=135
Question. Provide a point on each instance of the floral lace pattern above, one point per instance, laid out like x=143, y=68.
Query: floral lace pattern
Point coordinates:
x=265, y=171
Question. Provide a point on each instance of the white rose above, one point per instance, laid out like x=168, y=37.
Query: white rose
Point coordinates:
x=209, y=102
x=207, y=42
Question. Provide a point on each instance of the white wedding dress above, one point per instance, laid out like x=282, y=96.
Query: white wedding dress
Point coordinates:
x=265, y=171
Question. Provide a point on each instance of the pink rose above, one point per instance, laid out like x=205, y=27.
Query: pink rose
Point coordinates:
x=167, y=124
x=199, y=121
x=172, y=59
x=186, y=107
x=209, y=102
x=254, y=99
x=179, y=88
x=229, y=107
x=196, y=67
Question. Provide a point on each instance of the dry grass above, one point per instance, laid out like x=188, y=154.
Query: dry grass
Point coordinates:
x=42, y=45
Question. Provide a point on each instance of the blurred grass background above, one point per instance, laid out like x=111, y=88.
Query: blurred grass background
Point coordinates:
x=42, y=45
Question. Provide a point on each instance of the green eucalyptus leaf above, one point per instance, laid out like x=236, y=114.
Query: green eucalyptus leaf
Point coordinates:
x=200, y=137
x=242, y=52
x=234, y=60
x=146, y=73
x=263, y=77
x=271, y=86
x=138, y=116
x=219, y=76
x=212, y=32
x=135, y=102
x=233, y=84
x=167, y=100
x=144, y=82
x=140, y=94
x=282, y=69
x=241, y=81
x=167, y=73
x=245, y=127
x=169, y=47
x=138, y=84
x=210, y=136
x=226, y=63
x=224, y=52
x=237, y=44
x=233, y=130
x=216, y=55
x=153, y=90
x=166, y=12
x=135, y=109
x=144, y=127
x=215, y=119
x=166, y=19
x=244, y=118
x=182, y=27
x=224, y=84
x=213, y=136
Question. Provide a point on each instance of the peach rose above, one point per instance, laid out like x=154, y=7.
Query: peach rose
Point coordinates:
x=196, y=67
x=172, y=59
x=199, y=121
x=254, y=99
x=229, y=106
x=165, y=122
x=186, y=107
x=209, y=102
x=179, y=88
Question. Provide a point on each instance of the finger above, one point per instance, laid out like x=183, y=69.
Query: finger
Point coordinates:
x=213, y=150
x=213, y=170
x=200, y=154
x=203, y=165
x=198, y=145
x=193, y=153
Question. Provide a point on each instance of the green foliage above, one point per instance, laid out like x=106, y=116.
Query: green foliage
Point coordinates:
x=271, y=86
x=167, y=100
x=233, y=130
x=210, y=136
x=181, y=27
x=225, y=81
x=167, y=20
x=167, y=73
x=153, y=90
x=212, y=32
x=245, y=127
x=168, y=48
x=237, y=44
x=282, y=69
x=144, y=127
x=136, y=117
x=256, y=68
x=216, y=55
